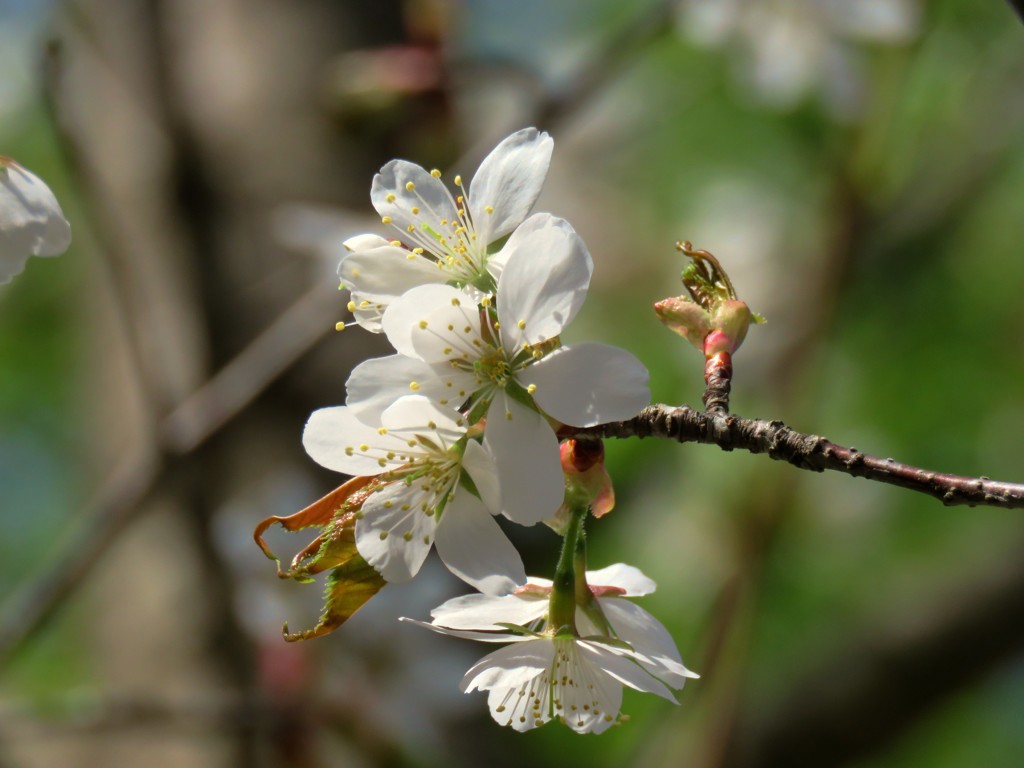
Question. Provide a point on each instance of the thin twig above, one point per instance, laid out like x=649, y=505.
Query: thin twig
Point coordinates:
x=812, y=452
x=717, y=383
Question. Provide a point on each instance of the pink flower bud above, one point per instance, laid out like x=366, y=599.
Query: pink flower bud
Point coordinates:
x=585, y=473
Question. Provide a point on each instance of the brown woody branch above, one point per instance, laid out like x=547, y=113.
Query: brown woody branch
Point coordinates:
x=730, y=432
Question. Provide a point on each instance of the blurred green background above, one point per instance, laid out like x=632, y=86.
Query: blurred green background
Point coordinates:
x=858, y=167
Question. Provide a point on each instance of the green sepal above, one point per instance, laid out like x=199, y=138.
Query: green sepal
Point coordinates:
x=517, y=629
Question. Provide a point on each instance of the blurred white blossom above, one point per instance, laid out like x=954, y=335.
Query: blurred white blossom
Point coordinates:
x=31, y=221
x=786, y=50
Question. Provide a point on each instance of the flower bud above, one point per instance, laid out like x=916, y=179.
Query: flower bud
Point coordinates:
x=586, y=476
x=712, y=318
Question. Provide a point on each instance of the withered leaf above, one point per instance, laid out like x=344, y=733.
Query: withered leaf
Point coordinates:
x=352, y=581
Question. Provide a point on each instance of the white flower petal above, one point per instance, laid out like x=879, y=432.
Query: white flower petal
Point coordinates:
x=509, y=181
x=416, y=324
x=334, y=438
x=521, y=708
x=623, y=669
x=627, y=577
x=479, y=464
x=589, y=694
x=418, y=415
x=649, y=638
x=588, y=384
x=510, y=667
x=482, y=612
x=544, y=281
x=365, y=242
x=369, y=310
x=394, y=535
x=572, y=688
x=31, y=221
x=387, y=271
x=529, y=466
x=428, y=196
x=376, y=383
x=475, y=549
x=466, y=634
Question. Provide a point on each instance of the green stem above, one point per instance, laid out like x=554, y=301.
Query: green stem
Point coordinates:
x=562, y=606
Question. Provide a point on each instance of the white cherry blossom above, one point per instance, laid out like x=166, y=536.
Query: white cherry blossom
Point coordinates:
x=438, y=237
x=31, y=221
x=544, y=675
x=424, y=454
x=496, y=360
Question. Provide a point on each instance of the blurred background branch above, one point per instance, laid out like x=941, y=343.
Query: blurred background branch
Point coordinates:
x=857, y=168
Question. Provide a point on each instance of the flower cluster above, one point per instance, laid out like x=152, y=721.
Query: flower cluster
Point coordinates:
x=460, y=426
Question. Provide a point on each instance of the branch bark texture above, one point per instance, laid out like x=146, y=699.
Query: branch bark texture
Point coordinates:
x=730, y=432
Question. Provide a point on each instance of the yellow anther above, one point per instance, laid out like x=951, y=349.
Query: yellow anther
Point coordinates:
x=357, y=272
x=382, y=430
x=462, y=211
x=339, y=326
x=410, y=186
x=456, y=302
x=418, y=251
x=488, y=209
x=415, y=210
x=351, y=306
x=364, y=304
x=414, y=386
x=385, y=219
x=348, y=450
x=423, y=324
x=411, y=228
x=435, y=173
x=364, y=447
x=532, y=388
x=381, y=463
x=497, y=325
x=411, y=257
x=521, y=325
x=432, y=425
x=383, y=535
x=407, y=535
x=447, y=350
x=390, y=198
x=485, y=301
x=396, y=243
x=458, y=181
x=411, y=443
